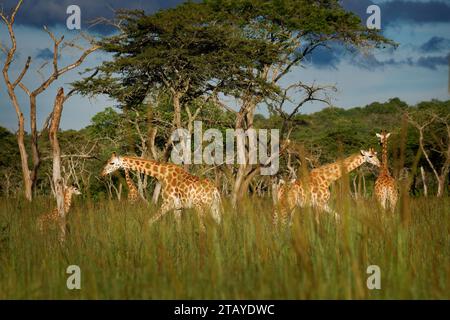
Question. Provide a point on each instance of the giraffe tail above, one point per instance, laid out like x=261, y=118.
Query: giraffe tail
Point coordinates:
x=216, y=207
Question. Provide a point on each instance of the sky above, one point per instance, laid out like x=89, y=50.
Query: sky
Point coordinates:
x=418, y=70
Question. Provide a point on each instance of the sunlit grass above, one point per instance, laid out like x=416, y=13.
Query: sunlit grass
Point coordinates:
x=121, y=257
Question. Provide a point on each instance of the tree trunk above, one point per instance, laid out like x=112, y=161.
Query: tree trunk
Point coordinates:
x=34, y=143
x=441, y=186
x=424, y=181
x=176, y=109
x=244, y=121
x=56, y=157
x=27, y=183
x=156, y=192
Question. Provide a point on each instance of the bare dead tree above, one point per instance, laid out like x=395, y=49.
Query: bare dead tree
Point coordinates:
x=30, y=175
x=442, y=146
x=424, y=181
x=56, y=73
x=58, y=183
x=307, y=94
x=11, y=86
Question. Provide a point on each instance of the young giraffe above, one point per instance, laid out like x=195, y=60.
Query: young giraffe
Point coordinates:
x=293, y=193
x=385, y=187
x=179, y=188
x=52, y=217
x=133, y=194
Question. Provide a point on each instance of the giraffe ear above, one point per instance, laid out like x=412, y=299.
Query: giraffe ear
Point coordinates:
x=378, y=135
x=363, y=152
x=388, y=135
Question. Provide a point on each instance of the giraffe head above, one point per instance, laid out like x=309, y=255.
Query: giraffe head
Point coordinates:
x=73, y=190
x=383, y=136
x=114, y=163
x=370, y=157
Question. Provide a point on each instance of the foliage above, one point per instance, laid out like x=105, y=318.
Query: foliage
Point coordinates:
x=326, y=135
x=121, y=257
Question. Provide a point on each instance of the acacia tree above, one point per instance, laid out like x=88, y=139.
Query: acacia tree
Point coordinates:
x=30, y=175
x=185, y=51
x=296, y=28
x=241, y=49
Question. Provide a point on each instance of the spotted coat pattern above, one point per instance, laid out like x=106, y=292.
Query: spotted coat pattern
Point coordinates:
x=386, y=191
x=133, y=194
x=51, y=218
x=179, y=189
x=294, y=193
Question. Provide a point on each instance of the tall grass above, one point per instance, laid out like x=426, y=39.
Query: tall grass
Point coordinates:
x=121, y=257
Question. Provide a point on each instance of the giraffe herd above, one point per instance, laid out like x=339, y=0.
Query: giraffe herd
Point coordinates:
x=316, y=192
x=182, y=190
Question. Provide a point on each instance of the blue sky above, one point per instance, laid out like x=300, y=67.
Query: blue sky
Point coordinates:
x=416, y=71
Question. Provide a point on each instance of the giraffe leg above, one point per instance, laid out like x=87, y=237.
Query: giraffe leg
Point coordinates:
x=284, y=216
x=165, y=207
x=275, y=216
x=40, y=224
x=178, y=218
x=216, y=208
x=62, y=229
x=383, y=199
x=316, y=216
x=201, y=217
x=393, y=197
x=325, y=207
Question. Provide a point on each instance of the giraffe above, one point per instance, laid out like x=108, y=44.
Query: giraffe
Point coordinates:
x=179, y=189
x=293, y=193
x=385, y=186
x=52, y=217
x=133, y=194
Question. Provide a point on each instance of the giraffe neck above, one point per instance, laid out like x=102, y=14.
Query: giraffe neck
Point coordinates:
x=384, y=158
x=130, y=183
x=149, y=167
x=67, y=200
x=333, y=171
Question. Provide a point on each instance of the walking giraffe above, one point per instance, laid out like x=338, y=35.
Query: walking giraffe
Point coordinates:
x=53, y=217
x=180, y=190
x=293, y=194
x=133, y=194
x=385, y=186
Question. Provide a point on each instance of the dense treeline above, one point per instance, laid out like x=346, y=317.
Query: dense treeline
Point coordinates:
x=324, y=136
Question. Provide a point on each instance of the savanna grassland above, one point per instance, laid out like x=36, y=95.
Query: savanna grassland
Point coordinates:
x=225, y=65
x=122, y=257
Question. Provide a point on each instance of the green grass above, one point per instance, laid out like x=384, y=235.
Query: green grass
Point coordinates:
x=121, y=257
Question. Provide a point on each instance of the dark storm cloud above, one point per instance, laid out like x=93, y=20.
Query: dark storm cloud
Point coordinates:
x=370, y=62
x=325, y=58
x=44, y=54
x=359, y=7
x=433, y=63
x=416, y=12
x=53, y=12
x=396, y=11
x=435, y=44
